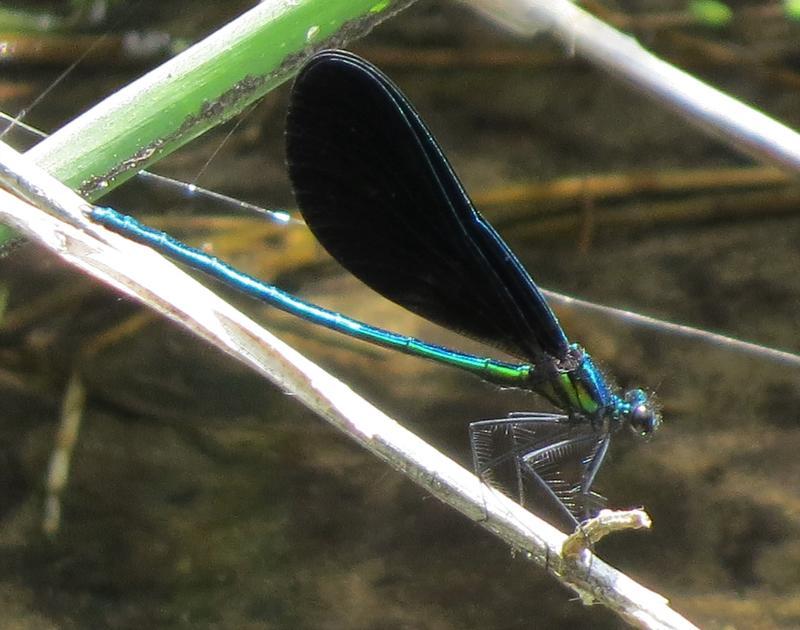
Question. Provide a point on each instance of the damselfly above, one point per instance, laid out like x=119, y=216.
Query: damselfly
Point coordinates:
x=378, y=193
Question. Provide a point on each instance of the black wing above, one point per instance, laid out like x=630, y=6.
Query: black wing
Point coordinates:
x=378, y=193
x=546, y=462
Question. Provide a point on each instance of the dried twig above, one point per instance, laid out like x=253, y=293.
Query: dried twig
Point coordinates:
x=740, y=125
x=72, y=407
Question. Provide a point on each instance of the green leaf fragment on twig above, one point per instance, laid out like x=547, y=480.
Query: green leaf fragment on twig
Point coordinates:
x=711, y=12
x=792, y=9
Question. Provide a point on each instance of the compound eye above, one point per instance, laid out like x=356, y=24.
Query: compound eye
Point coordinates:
x=644, y=420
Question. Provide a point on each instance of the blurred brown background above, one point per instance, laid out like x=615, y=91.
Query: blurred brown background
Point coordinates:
x=203, y=497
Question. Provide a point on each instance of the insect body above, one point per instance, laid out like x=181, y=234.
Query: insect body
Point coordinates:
x=378, y=193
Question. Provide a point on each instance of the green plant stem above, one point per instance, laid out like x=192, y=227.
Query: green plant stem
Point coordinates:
x=204, y=86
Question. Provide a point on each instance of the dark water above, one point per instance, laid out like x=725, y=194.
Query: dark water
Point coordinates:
x=201, y=496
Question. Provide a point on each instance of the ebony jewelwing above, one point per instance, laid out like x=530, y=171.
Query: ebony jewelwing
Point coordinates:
x=378, y=193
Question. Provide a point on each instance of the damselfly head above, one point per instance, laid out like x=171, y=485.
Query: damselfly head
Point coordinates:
x=643, y=415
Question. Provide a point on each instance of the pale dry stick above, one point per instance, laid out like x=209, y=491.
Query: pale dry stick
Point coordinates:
x=72, y=408
x=150, y=278
x=616, y=185
x=741, y=126
x=516, y=56
x=128, y=49
x=22, y=176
